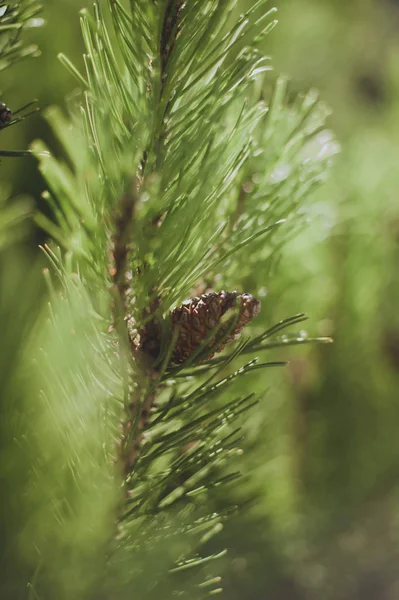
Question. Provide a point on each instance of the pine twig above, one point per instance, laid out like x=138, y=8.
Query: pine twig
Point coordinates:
x=122, y=239
x=139, y=413
x=170, y=31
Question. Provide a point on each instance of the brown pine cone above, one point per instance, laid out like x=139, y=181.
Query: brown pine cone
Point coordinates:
x=196, y=318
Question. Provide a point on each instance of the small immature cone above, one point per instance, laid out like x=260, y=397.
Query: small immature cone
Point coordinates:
x=196, y=318
x=5, y=114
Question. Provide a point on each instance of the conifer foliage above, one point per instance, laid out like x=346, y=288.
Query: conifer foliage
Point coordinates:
x=15, y=18
x=179, y=179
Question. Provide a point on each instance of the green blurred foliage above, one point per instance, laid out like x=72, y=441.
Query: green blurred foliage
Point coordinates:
x=325, y=519
x=320, y=492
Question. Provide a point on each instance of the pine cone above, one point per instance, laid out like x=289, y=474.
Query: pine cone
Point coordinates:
x=196, y=318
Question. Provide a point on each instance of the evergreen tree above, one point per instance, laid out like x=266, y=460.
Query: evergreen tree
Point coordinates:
x=182, y=178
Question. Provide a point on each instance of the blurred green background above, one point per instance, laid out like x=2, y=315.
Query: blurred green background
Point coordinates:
x=321, y=512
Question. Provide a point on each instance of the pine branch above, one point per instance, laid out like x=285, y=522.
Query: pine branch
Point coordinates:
x=170, y=30
x=14, y=20
x=170, y=132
